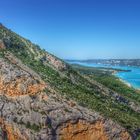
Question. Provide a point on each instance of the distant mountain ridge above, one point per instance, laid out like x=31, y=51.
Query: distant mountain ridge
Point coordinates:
x=121, y=62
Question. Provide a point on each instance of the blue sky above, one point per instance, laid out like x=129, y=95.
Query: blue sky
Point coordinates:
x=77, y=29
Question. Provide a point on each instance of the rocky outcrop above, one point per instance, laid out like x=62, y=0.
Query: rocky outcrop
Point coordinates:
x=2, y=45
x=50, y=116
x=92, y=131
x=55, y=62
x=9, y=132
x=19, y=87
x=84, y=130
x=15, y=81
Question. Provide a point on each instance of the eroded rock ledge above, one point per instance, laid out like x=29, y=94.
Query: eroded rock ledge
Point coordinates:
x=2, y=45
x=53, y=118
x=9, y=132
x=15, y=81
x=83, y=130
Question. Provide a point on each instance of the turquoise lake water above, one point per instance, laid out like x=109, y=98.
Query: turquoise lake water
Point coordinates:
x=133, y=77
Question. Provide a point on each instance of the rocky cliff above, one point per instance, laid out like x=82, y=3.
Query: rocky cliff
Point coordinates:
x=35, y=104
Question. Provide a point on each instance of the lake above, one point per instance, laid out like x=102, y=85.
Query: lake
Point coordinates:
x=132, y=77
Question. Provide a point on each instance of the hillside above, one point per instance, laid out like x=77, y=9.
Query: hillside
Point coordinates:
x=44, y=98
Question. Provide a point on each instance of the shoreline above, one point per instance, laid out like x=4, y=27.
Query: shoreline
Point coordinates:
x=126, y=83
x=114, y=72
x=122, y=80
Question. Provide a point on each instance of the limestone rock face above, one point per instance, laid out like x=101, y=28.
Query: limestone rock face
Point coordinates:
x=46, y=117
x=15, y=81
x=91, y=131
x=10, y=132
x=2, y=46
x=83, y=130
x=55, y=62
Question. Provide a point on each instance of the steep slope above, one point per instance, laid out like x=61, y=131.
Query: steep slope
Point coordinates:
x=17, y=79
x=42, y=97
x=44, y=114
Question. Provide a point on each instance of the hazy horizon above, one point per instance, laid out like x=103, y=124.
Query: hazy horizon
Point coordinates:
x=77, y=29
x=102, y=59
